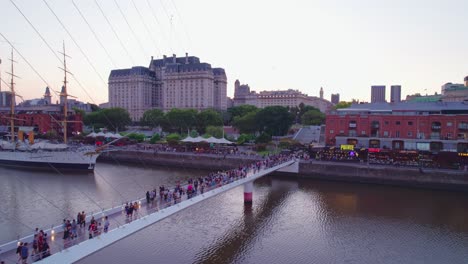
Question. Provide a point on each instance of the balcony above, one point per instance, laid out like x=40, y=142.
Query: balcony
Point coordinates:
x=434, y=127
x=352, y=125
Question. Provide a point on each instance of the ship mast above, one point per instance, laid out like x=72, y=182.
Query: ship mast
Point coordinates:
x=65, y=95
x=12, y=100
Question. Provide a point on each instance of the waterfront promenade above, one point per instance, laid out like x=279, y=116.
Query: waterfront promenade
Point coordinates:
x=119, y=219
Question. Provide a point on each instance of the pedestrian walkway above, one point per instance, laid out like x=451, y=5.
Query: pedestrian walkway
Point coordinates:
x=118, y=217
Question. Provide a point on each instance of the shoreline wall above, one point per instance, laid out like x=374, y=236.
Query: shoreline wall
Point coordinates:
x=375, y=174
x=331, y=171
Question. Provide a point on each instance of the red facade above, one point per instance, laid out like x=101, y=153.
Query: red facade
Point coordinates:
x=44, y=122
x=370, y=130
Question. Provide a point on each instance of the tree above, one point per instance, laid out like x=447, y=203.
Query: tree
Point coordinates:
x=274, y=120
x=207, y=118
x=152, y=118
x=112, y=118
x=94, y=108
x=313, y=117
x=247, y=123
x=343, y=104
x=179, y=120
x=173, y=139
x=241, y=110
x=137, y=137
x=214, y=131
x=155, y=138
x=263, y=138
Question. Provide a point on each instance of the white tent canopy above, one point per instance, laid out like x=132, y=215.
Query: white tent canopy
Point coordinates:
x=209, y=140
x=107, y=135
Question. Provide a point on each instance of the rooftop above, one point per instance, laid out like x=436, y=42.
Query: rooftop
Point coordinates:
x=406, y=107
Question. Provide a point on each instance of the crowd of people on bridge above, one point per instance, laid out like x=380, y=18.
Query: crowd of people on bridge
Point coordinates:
x=169, y=196
x=76, y=228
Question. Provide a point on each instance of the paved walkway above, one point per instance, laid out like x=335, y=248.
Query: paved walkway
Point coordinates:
x=118, y=217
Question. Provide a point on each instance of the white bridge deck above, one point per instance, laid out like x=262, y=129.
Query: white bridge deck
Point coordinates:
x=121, y=227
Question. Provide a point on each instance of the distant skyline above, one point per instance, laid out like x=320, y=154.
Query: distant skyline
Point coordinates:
x=343, y=46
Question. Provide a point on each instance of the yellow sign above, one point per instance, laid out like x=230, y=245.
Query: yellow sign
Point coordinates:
x=347, y=147
x=463, y=154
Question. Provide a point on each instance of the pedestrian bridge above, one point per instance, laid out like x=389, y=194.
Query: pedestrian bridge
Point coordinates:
x=121, y=227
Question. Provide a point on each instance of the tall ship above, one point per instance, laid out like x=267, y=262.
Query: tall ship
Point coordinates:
x=22, y=151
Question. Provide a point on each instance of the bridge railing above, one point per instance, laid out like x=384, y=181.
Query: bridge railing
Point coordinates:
x=118, y=218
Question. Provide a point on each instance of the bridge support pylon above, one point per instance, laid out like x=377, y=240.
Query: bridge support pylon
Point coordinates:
x=248, y=191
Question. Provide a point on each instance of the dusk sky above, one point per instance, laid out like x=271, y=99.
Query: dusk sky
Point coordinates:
x=342, y=46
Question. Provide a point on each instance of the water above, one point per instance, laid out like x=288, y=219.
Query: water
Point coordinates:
x=42, y=199
x=290, y=221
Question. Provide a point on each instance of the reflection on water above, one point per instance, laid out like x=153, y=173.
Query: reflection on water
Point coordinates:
x=43, y=198
x=290, y=221
x=306, y=221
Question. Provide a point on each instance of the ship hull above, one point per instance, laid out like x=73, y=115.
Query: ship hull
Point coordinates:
x=47, y=166
x=56, y=160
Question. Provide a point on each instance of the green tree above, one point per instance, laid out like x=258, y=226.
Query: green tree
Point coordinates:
x=207, y=118
x=241, y=110
x=136, y=136
x=173, y=139
x=245, y=138
x=179, y=120
x=247, y=123
x=152, y=118
x=214, y=131
x=274, y=120
x=112, y=118
x=155, y=138
x=343, y=104
x=94, y=108
x=263, y=138
x=313, y=117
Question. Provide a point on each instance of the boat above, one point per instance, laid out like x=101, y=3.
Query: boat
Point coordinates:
x=44, y=154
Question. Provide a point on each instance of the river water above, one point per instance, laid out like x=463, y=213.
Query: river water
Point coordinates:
x=290, y=221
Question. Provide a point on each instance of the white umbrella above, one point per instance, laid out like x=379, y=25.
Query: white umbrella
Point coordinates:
x=224, y=141
x=92, y=135
x=188, y=139
x=100, y=134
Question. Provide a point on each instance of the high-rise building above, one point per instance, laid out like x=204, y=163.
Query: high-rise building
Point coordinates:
x=5, y=99
x=170, y=82
x=335, y=98
x=378, y=94
x=395, y=93
x=466, y=81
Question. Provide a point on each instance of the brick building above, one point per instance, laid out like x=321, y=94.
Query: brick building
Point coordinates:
x=432, y=126
x=41, y=119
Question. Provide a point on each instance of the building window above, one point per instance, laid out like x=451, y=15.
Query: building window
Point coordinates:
x=397, y=123
x=386, y=122
x=331, y=131
x=363, y=132
x=449, y=135
x=397, y=134
x=410, y=134
x=385, y=133
x=410, y=123
x=449, y=124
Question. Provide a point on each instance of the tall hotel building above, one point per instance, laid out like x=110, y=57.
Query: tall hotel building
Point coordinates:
x=167, y=83
x=378, y=94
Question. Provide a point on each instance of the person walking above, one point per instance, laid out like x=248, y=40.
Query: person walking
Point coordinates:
x=106, y=224
x=24, y=253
